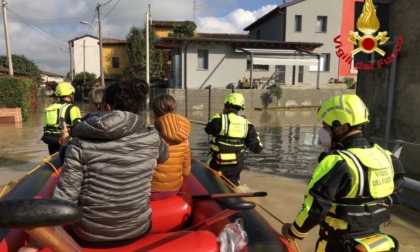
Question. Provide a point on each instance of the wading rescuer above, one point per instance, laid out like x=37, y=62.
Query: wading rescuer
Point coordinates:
x=352, y=188
x=231, y=134
x=63, y=110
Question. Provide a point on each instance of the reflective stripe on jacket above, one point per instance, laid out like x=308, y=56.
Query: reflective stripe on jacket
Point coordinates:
x=68, y=111
x=231, y=138
x=337, y=183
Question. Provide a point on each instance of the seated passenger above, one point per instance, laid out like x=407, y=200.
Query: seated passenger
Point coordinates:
x=174, y=130
x=108, y=168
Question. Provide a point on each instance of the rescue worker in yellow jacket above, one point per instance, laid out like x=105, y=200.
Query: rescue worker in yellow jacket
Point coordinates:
x=352, y=188
x=175, y=130
x=64, y=110
x=231, y=134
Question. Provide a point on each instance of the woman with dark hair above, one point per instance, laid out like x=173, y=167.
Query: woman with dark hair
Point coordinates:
x=109, y=166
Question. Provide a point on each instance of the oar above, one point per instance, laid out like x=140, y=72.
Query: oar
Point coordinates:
x=229, y=195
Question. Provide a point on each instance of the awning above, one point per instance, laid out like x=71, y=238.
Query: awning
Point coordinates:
x=280, y=61
x=281, y=57
x=294, y=57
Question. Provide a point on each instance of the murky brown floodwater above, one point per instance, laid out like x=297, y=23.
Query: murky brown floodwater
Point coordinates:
x=290, y=148
x=289, y=138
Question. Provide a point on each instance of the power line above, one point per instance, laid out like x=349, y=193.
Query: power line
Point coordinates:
x=110, y=10
x=36, y=28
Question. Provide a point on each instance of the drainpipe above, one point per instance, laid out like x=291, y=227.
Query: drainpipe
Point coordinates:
x=317, y=73
x=391, y=94
x=251, y=70
x=185, y=78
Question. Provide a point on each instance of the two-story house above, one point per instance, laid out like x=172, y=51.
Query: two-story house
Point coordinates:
x=222, y=60
x=85, y=51
x=302, y=21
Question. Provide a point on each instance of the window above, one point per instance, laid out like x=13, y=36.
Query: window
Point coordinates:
x=300, y=74
x=255, y=66
x=324, y=62
x=280, y=74
x=298, y=23
x=203, y=59
x=258, y=34
x=321, y=24
x=115, y=62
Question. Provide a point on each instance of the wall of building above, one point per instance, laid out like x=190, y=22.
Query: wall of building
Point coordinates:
x=373, y=85
x=310, y=10
x=270, y=29
x=114, y=50
x=88, y=58
x=347, y=25
x=200, y=103
x=226, y=66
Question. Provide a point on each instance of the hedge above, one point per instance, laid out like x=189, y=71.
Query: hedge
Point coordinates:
x=18, y=92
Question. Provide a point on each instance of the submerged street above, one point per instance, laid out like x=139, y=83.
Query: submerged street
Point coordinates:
x=282, y=170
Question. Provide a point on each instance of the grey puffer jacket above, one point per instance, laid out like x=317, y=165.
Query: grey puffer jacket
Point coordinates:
x=107, y=172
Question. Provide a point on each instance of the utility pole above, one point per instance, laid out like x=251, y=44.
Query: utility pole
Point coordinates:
x=6, y=33
x=71, y=63
x=98, y=8
x=147, y=47
x=147, y=54
x=84, y=61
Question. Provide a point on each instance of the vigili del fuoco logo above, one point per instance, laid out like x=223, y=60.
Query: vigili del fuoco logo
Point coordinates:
x=368, y=41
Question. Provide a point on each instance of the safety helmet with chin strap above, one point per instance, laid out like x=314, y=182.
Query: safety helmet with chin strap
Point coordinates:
x=343, y=109
x=235, y=99
x=64, y=89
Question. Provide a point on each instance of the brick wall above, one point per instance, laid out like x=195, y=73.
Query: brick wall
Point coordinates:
x=10, y=115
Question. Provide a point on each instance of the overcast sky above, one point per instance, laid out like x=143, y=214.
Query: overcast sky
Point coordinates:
x=41, y=29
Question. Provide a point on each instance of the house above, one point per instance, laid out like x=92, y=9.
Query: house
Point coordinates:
x=4, y=70
x=85, y=51
x=222, y=60
x=51, y=77
x=164, y=28
x=115, y=57
x=85, y=58
x=303, y=21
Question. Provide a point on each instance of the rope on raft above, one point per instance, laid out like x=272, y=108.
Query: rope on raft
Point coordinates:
x=220, y=174
x=13, y=183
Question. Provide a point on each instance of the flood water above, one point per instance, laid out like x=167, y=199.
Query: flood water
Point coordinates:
x=289, y=139
x=290, y=148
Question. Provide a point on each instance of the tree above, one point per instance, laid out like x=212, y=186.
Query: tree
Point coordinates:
x=23, y=66
x=136, y=51
x=82, y=77
x=277, y=91
x=183, y=30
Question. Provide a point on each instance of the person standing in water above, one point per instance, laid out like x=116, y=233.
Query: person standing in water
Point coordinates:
x=230, y=135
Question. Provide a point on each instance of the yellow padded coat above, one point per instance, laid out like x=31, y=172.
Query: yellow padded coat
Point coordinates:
x=174, y=130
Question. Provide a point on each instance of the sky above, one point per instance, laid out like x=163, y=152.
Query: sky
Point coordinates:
x=41, y=29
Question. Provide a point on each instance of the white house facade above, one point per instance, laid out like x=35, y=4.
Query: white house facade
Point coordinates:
x=315, y=21
x=199, y=63
x=85, y=51
x=51, y=77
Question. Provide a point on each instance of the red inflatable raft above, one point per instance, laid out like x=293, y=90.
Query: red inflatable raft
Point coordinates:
x=190, y=221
